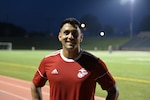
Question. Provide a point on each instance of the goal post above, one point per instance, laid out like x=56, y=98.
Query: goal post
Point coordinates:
x=5, y=46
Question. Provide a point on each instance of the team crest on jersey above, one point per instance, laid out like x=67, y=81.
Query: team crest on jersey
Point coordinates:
x=82, y=72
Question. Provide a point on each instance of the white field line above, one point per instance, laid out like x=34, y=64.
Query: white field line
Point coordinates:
x=22, y=98
x=139, y=59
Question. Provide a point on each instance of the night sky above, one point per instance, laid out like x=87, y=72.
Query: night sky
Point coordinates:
x=40, y=15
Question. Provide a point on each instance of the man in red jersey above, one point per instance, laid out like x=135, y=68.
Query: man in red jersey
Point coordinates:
x=71, y=71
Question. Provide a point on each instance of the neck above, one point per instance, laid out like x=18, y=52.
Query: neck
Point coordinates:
x=71, y=54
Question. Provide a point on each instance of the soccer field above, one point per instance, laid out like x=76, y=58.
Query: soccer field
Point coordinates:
x=131, y=69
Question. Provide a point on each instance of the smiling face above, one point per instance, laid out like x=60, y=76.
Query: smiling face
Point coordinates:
x=70, y=36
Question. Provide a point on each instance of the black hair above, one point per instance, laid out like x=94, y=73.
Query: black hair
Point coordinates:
x=72, y=21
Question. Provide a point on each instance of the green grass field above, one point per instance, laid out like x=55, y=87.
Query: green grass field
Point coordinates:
x=130, y=69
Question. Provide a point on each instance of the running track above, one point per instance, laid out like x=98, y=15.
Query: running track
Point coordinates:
x=15, y=89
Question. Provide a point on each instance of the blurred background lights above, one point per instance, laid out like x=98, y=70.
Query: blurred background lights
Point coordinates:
x=102, y=33
x=82, y=25
x=122, y=2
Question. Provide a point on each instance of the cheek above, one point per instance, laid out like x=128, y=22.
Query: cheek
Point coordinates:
x=62, y=38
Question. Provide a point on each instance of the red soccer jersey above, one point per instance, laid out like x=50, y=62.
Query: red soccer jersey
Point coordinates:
x=73, y=79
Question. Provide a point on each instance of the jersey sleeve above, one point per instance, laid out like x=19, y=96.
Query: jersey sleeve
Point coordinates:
x=104, y=78
x=40, y=78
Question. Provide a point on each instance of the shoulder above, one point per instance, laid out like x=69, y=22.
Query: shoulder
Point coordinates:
x=90, y=61
x=91, y=57
x=53, y=54
x=51, y=57
x=87, y=60
x=88, y=56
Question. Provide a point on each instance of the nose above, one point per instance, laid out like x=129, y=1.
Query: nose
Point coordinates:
x=70, y=36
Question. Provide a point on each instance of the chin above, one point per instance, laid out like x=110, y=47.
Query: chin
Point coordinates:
x=70, y=48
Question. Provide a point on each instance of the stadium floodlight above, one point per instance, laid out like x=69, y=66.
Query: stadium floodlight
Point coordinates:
x=132, y=1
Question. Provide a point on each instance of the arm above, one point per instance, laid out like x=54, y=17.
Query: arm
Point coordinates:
x=36, y=92
x=113, y=93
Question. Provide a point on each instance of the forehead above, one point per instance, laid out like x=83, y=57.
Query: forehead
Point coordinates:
x=69, y=26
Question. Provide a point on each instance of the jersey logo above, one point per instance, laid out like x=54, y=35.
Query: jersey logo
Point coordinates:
x=82, y=72
x=54, y=71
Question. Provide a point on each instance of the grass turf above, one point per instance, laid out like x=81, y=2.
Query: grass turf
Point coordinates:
x=130, y=69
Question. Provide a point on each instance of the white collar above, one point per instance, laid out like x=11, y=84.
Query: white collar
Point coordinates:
x=67, y=59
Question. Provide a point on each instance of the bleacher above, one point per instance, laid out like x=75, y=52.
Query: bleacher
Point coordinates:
x=139, y=42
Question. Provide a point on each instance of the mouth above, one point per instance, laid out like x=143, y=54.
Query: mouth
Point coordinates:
x=70, y=43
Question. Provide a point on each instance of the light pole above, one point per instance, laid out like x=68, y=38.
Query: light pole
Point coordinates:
x=130, y=15
x=131, y=18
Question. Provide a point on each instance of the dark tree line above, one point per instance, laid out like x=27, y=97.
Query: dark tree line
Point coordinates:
x=93, y=28
x=11, y=30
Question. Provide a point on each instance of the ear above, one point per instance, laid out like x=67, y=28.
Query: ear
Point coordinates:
x=81, y=38
x=59, y=36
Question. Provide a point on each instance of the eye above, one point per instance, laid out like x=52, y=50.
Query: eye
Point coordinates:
x=66, y=32
x=75, y=33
